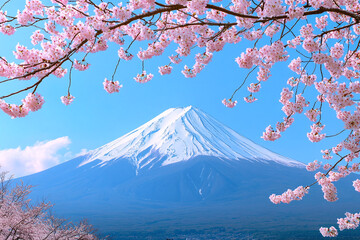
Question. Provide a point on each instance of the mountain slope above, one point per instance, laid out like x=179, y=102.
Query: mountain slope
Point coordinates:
x=185, y=170
x=182, y=155
x=179, y=134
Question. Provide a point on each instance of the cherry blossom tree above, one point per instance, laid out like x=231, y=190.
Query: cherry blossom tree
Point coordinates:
x=318, y=39
x=21, y=219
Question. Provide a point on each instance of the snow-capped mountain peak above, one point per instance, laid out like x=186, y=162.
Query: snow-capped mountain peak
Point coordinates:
x=180, y=134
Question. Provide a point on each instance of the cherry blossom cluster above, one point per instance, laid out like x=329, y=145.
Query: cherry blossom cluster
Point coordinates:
x=289, y=195
x=270, y=134
x=282, y=126
x=315, y=135
x=111, y=86
x=143, y=77
x=351, y=221
x=80, y=65
x=32, y=102
x=312, y=114
x=312, y=166
x=328, y=188
x=250, y=99
x=328, y=232
x=229, y=103
x=13, y=110
x=356, y=185
x=124, y=55
x=67, y=99
x=165, y=69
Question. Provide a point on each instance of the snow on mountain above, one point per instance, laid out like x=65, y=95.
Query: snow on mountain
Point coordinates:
x=180, y=134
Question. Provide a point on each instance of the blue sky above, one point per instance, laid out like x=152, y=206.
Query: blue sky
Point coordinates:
x=96, y=117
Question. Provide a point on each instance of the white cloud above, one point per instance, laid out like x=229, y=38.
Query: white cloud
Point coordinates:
x=32, y=159
x=70, y=155
x=82, y=152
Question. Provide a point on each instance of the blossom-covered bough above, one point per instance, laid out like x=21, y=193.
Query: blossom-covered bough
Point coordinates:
x=319, y=40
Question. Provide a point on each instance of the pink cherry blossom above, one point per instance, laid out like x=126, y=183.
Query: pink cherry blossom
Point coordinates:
x=312, y=114
x=13, y=110
x=67, y=99
x=312, y=166
x=282, y=126
x=7, y=29
x=81, y=66
x=24, y=17
x=327, y=166
x=175, y=59
x=337, y=50
x=263, y=74
x=356, y=185
x=216, y=15
x=33, y=102
x=250, y=99
x=204, y=58
x=189, y=72
x=306, y=31
x=143, y=77
x=197, y=6
x=248, y=59
x=272, y=30
x=328, y=232
x=314, y=135
x=293, y=43
x=321, y=22
x=351, y=221
x=295, y=12
x=327, y=154
x=272, y=8
x=295, y=65
x=254, y=87
x=145, y=4
x=328, y=188
x=270, y=134
x=165, y=69
x=37, y=37
x=229, y=103
x=310, y=45
x=111, y=86
x=289, y=195
x=308, y=80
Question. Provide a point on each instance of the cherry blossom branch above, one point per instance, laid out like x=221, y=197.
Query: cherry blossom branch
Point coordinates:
x=327, y=173
x=242, y=84
x=6, y=2
x=117, y=64
x=334, y=135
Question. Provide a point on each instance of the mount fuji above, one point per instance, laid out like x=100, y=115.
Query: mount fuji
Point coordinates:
x=183, y=170
x=181, y=134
